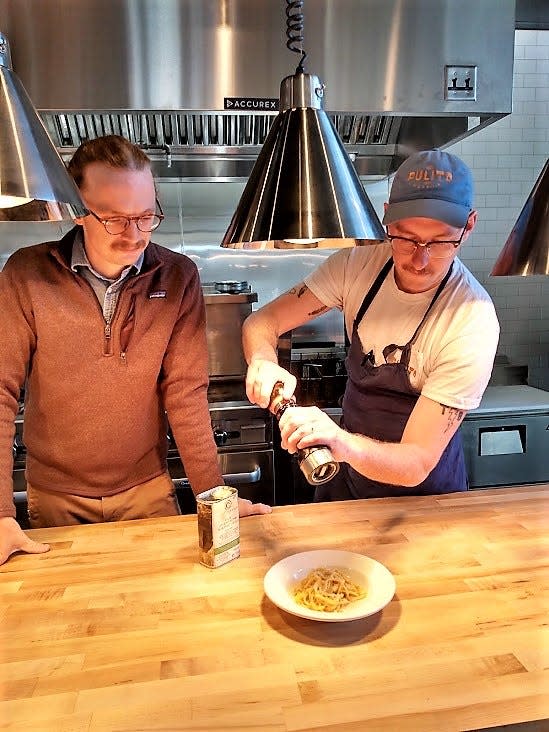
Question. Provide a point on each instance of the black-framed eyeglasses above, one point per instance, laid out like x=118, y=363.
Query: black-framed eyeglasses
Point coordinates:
x=118, y=224
x=437, y=249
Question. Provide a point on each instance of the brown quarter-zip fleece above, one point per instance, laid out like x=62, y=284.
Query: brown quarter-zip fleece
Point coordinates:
x=96, y=395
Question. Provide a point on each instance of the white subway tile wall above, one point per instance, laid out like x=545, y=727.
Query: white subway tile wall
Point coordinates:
x=506, y=159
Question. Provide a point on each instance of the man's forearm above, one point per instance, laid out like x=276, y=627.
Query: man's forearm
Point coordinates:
x=387, y=462
x=259, y=339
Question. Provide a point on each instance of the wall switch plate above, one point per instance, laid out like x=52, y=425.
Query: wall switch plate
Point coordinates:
x=460, y=83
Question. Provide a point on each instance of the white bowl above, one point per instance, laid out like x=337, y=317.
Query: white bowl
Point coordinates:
x=376, y=579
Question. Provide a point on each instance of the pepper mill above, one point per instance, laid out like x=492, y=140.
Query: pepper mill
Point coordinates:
x=317, y=462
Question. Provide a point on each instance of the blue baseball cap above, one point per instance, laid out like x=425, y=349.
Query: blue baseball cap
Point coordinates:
x=432, y=184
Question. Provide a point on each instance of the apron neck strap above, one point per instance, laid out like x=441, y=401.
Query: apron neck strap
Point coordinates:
x=372, y=292
x=406, y=349
x=374, y=289
x=435, y=298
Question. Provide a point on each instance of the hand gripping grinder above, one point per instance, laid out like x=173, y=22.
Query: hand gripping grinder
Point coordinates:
x=317, y=462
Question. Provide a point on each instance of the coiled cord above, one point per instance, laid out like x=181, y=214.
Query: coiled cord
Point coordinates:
x=294, y=30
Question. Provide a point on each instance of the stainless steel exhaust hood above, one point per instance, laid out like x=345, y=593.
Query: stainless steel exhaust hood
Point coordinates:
x=196, y=82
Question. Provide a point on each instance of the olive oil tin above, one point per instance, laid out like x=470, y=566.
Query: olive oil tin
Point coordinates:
x=218, y=526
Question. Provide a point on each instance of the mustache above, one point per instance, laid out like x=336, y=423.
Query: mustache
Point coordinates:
x=412, y=270
x=125, y=244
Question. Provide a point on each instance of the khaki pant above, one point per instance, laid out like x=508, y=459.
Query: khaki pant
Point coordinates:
x=154, y=498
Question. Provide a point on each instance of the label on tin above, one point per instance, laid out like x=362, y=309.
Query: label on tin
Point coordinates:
x=218, y=526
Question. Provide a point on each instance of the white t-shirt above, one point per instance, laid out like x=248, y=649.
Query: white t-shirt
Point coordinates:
x=452, y=358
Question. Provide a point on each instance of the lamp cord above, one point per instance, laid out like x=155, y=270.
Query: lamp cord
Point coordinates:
x=294, y=30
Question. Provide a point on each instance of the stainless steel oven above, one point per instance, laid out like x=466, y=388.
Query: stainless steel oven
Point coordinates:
x=244, y=439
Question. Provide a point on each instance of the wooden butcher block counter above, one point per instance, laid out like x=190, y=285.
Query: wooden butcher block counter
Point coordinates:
x=119, y=628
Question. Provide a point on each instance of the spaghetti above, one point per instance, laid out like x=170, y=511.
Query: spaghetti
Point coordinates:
x=327, y=590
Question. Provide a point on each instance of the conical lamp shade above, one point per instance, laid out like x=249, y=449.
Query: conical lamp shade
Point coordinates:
x=32, y=175
x=303, y=188
x=526, y=251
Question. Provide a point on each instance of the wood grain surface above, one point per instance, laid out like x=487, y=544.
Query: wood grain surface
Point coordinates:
x=119, y=628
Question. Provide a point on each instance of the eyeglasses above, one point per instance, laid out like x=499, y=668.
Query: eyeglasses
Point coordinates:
x=436, y=249
x=118, y=224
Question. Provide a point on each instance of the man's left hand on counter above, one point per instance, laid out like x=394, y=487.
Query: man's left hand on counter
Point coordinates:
x=247, y=508
x=13, y=539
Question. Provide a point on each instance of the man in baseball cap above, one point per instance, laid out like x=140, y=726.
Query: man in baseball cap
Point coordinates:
x=423, y=335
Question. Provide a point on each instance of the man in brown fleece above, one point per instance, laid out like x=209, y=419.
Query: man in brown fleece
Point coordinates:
x=107, y=333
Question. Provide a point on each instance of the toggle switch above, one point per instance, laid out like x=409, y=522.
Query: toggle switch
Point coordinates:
x=460, y=83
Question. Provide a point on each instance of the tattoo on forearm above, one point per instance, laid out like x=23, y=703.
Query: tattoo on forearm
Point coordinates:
x=455, y=416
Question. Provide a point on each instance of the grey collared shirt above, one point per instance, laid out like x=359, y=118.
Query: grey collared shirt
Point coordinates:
x=106, y=290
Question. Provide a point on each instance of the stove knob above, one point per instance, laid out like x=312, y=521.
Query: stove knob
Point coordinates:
x=220, y=437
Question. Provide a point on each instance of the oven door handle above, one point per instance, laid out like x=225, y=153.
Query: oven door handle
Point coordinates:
x=254, y=476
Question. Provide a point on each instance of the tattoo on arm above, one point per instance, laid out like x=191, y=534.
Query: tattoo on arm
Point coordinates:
x=319, y=310
x=455, y=416
x=298, y=290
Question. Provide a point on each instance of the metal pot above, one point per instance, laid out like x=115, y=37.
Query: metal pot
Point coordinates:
x=225, y=314
x=232, y=286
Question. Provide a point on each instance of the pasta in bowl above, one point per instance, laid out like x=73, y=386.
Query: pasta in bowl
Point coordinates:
x=329, y=585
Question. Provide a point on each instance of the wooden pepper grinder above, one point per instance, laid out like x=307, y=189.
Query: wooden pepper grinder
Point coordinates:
x=317, y=462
